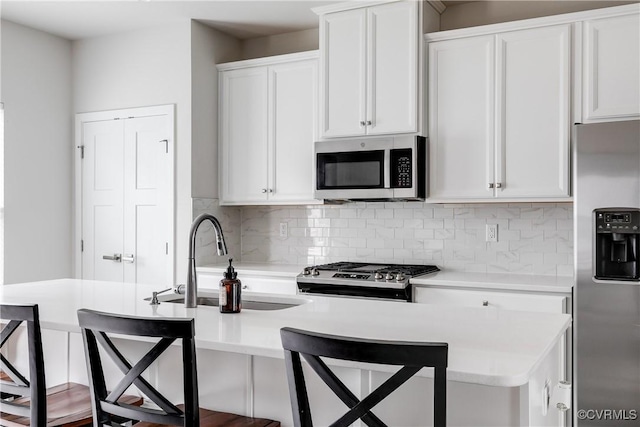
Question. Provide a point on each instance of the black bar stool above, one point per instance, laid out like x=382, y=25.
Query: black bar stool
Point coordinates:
x=413, y=356
x=95, y=328
x=25, y=399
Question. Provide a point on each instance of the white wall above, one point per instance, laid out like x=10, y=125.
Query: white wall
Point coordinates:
x=36, y=90
x=297, y=41
x=208, y=48
x=142, y=68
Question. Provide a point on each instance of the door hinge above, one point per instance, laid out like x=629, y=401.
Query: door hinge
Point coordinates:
x=81, y=147
x=166, y=145
x=81, y=245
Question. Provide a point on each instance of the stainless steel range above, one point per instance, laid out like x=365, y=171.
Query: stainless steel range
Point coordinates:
x=365, y=280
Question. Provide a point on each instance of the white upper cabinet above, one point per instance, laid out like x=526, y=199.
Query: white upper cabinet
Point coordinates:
x=611, y=68
x=267, y=119
x=461, y=117
x=533, y=121
x=293, y=93
x=243, y=131
x=369, y=72
x=499, y=115
x=343, y=69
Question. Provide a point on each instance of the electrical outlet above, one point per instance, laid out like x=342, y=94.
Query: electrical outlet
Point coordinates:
x=284, y=229
x=492, y=232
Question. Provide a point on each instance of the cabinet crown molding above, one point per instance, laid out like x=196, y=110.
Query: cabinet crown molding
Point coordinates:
x=348, y=5
x=565, y=18
x=269, y=60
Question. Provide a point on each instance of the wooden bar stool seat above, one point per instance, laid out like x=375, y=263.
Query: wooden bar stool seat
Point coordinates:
x=96, y=327
x=26, y=401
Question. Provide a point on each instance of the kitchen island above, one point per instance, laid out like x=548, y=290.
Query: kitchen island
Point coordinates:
x=499, y=360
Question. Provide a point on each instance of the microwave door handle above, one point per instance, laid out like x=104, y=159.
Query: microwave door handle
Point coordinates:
x=387, y=168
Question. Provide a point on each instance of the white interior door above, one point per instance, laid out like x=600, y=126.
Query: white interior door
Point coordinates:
x=102, y=200
x=126, y=196
x=146, y=210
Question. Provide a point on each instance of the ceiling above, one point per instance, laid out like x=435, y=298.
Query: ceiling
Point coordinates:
x=80, y=19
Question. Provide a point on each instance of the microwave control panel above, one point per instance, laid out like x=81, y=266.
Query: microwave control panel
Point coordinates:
x=401, y=168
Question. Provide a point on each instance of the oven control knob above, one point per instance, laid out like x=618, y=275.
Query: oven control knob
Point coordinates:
x=315, y=272
x=389, y=276
x=399, y=277
x=378, y=276
x=306, y=271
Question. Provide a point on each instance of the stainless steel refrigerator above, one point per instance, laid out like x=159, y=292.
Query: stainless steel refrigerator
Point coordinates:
x=606, y=330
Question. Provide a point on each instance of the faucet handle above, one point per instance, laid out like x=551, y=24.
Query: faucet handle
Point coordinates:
x=154, y=296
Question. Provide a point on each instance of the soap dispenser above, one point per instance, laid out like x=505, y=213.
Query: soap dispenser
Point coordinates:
x=230, y=289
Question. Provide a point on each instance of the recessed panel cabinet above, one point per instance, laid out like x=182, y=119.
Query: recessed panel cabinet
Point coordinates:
x=369, y=73
x=499, y=115
x=611, y=67
x=267, y=119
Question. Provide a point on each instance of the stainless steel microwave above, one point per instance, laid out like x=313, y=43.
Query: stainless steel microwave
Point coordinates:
x=384, y=168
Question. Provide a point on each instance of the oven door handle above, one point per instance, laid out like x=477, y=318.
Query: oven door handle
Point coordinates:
x=387, y=168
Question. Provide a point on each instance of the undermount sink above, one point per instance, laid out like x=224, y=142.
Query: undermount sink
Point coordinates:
x=255, y=303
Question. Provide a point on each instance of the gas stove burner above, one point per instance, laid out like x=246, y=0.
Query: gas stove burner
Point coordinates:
x=406, y=269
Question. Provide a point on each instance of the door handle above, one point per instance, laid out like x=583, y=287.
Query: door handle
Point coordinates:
x=114, y=257
x=128, y=258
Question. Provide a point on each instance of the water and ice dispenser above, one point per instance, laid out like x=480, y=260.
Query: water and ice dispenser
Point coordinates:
x=617, y=244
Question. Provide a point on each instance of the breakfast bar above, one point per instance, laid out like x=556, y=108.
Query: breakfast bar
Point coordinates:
x=500, y=361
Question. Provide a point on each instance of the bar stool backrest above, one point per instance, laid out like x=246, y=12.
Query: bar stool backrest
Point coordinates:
x=412, y=356
x=96, y=327
x=34, y=386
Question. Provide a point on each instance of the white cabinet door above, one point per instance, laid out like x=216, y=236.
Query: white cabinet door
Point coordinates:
x=533, y=120
x=392, y=80
x=343, y=59
x=611, y=67
x=244, y=118
x=461, y=118
x=491, y=299
x=293, y=99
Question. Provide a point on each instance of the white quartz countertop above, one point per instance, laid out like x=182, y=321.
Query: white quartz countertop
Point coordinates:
x=493, y=347
x=503, y=281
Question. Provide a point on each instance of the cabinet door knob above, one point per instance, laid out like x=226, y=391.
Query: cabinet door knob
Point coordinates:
x=363, y=123
x=491, y=185
x=264, y=190
x=485, y=303
x=498, y=185
x=271, y=190
x=368, y=123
